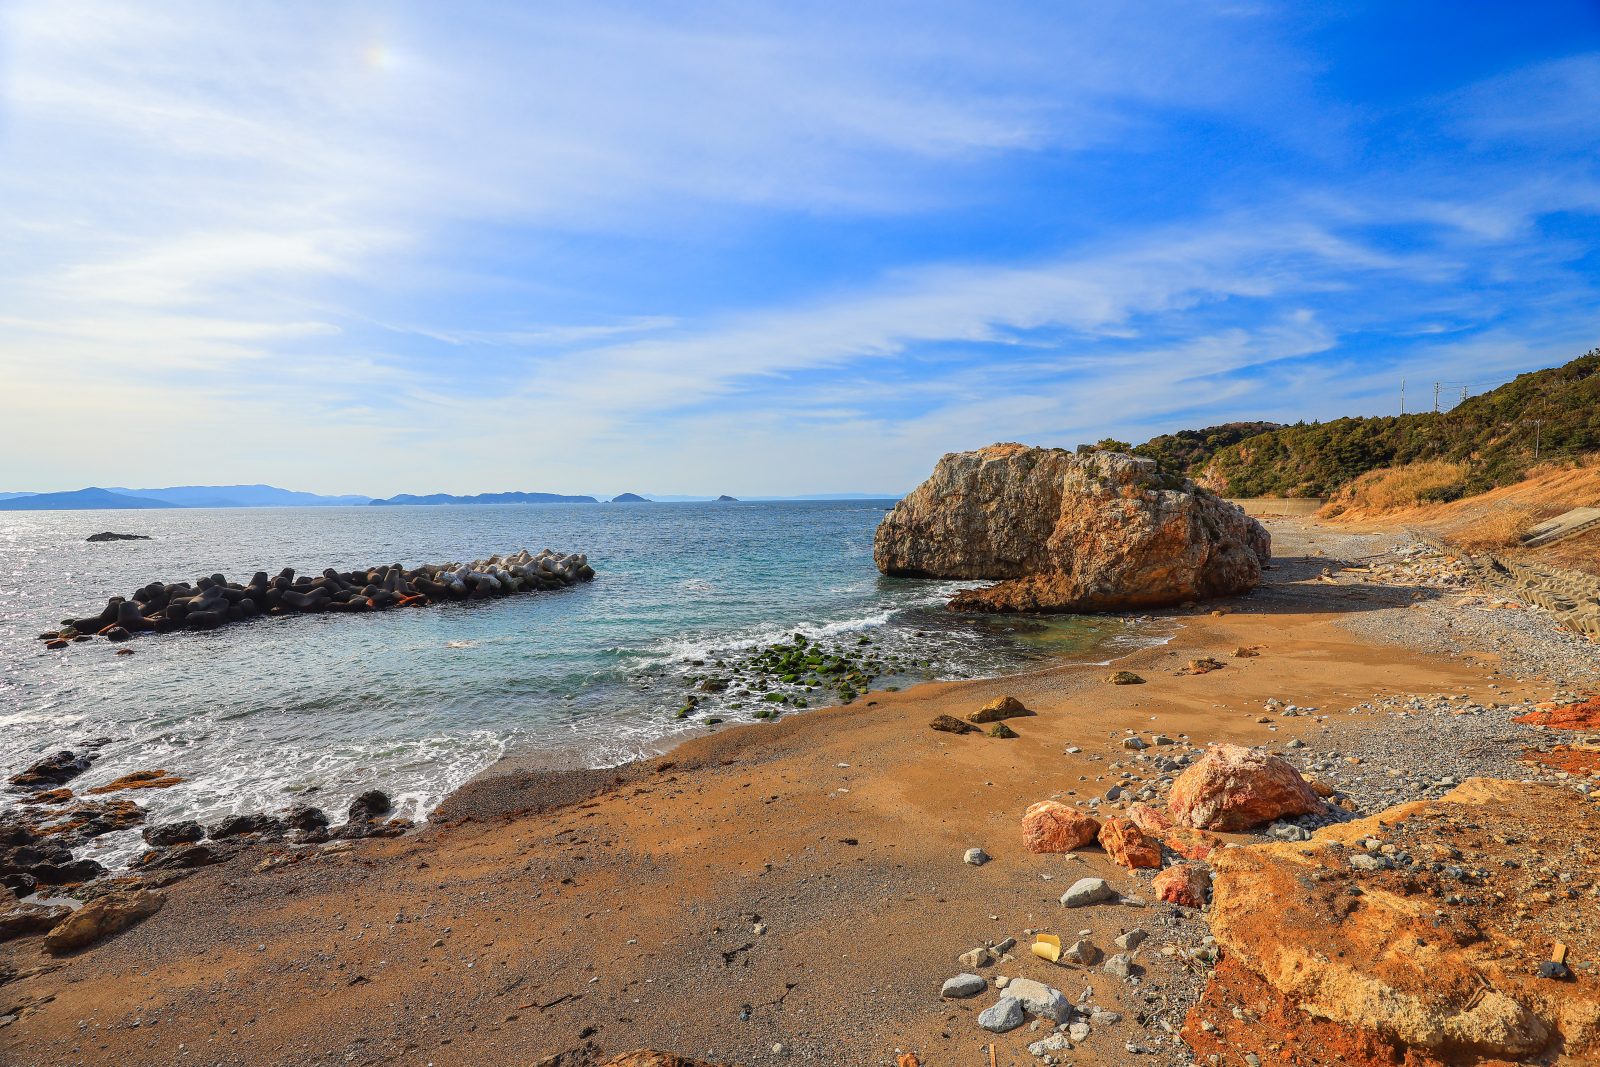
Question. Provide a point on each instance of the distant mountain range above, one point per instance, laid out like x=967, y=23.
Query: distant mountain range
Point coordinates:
x=92, y=499
x=270, y=496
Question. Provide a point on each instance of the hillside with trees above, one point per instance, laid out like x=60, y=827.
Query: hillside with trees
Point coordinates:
x=1495, y=437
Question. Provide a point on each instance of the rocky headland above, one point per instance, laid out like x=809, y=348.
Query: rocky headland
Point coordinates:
x=1065, y=532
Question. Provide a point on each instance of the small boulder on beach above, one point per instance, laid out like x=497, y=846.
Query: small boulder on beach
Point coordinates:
x=951, y=725
x=1051, y=826
x=1128, y=845
x=1006, y=707
x=1234, y=788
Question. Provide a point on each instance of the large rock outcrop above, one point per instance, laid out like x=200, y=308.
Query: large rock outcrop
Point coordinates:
x=1420, y=936
x=1064, y=532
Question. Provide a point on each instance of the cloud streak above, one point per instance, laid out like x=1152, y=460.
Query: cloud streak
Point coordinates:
x=708, y=248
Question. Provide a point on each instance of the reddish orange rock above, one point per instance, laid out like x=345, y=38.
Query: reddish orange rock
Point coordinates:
x=1235, y=788
x=1150, y=820
x=156, y=779
x=1584, y=715
x=1185, y=884
x=1127, y=844
x=1191, y=844
x=1050, y=826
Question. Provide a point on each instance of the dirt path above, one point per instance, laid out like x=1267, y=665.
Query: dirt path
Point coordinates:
x=798, y=885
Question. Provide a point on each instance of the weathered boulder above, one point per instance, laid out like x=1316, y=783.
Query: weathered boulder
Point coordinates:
x=1427, y=952
x=1183, y=883
x=951, y=725
x=52, y=770
x=1051, y=826
x=1063, y=532
x=1234, y=788
x=102, y=917
x=1128, y=845
x=1006, y=707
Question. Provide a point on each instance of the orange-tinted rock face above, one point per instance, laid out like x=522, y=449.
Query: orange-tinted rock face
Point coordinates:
x=1183, y=883
x=1581, y=716
x=1128, y=845
x=1150, y=820
x=1050, y=826
x=1191, y=844
x=1234, y=788
x=1065, y=532
x=1426, y=953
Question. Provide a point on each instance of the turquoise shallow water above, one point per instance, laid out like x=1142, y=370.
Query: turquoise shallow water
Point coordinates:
x=317, y=708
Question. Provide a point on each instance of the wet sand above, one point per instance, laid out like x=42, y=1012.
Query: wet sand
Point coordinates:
x=806, y=875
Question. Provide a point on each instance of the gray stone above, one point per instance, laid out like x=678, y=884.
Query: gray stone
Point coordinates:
x=1003, y=1015
x=1132, y=939
x=963, y=985
x=1040, y=1000
x=1053, y=1043
x=1087, y=891
x=1079, y=1031
x=1120, y=966
x=975, y=856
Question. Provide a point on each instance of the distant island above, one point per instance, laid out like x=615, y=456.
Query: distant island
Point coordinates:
x=486, y=498
x=726, y=499
x=629, y=498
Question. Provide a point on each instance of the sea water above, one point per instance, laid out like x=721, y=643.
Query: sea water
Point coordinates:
x=313, y=709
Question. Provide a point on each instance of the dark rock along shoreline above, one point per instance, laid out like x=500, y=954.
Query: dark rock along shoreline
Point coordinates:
x=214, y=601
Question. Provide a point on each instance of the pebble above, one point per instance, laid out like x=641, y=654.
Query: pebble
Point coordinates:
x=982, y=956
x=1132, y=939
x=1053, y=1043
x=1082, y=952
x=975, y=856
x=1119, y=966
x=963, y=985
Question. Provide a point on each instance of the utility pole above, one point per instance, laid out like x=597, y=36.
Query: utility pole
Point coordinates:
x=1538, y=425
x=1463, y=394
x=1436, y=398
x=1402, y=396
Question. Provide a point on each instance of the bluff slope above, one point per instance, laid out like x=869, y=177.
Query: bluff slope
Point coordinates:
x=1063, y=532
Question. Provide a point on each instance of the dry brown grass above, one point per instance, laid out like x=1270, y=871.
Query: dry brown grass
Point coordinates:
x=1391, y=488
x=1502, y=527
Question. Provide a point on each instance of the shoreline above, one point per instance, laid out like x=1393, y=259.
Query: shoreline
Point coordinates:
x=536, y=765
x=800, y=888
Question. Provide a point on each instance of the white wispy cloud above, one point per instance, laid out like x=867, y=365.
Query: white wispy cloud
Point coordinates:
x=355, y=231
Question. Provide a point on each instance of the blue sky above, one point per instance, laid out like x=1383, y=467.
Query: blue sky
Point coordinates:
x=787, y=248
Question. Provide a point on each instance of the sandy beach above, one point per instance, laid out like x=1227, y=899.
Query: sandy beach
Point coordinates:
x=772, y=892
